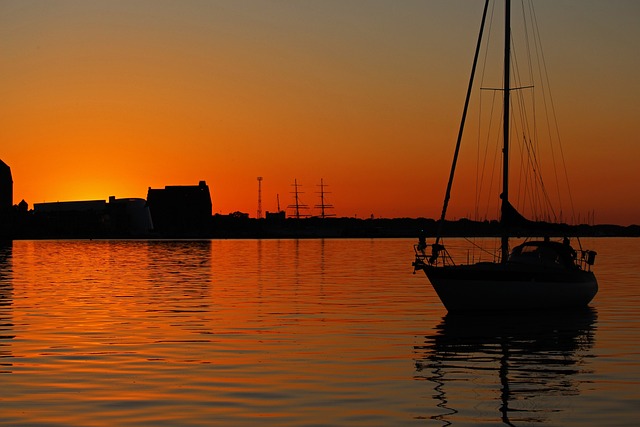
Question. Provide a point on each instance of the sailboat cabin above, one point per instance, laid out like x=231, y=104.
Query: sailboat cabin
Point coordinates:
x=547, y=253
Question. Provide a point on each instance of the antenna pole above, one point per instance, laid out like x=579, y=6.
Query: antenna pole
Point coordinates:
x=321, y=198
x=259, y=197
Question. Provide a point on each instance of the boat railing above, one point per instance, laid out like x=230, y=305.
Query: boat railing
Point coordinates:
x=586, y=259
x=439, y=256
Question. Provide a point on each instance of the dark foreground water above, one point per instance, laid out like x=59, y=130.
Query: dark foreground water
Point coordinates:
x=297, y=333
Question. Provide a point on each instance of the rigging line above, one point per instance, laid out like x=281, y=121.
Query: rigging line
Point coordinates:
x=530, y=165
x=562, y=156
x=532, y=162
x=531, y=148
x=543, y=188
x=527, y=171
x=524, y=183
x=492, y=180
x=526, y=164
x=522, y=116
x=545, y=90
x=557, y=129
x=538, y=180
x=531, y=73
x=485, y=61
x=533, y=194
x=479, y=175
x=496, y=155
x=486, y=44
x=526, y=40
x=479, y=247
x=461, y=130
x=480, y=171
x=483, y=175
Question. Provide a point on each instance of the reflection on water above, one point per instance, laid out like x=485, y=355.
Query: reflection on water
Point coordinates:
x=178, y=265
x=517, y=365
x=6, y=298
x=296, y=333
x=195, y=333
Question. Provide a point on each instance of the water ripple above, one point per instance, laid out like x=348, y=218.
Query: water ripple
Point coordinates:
x=293, y=333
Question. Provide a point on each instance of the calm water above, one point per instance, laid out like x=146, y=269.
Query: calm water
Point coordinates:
x=297, y=333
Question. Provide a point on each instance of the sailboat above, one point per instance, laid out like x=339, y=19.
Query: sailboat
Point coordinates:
x=539, y=273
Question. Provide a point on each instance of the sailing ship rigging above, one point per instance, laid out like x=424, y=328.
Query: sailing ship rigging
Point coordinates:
x=538, y=273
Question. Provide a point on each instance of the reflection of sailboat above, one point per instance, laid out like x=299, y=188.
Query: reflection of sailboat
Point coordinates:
x=537, y=274
x=528, y=357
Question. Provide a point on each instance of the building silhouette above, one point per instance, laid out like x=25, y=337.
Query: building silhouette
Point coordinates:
x=6, y=187
x=181, y=210
x=127, y=217
x=73, y=219
x=130, y=216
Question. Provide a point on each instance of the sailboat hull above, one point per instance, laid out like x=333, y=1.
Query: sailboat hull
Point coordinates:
x=488, y=286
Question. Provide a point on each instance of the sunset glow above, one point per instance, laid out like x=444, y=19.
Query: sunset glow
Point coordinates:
x=111, y=98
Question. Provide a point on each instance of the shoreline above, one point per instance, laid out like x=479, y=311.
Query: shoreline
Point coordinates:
x=234, y=227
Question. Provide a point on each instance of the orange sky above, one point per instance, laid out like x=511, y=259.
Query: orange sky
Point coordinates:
x=105, y=98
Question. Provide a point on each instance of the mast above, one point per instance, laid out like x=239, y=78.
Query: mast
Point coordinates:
x=505, y=127
x=297, y=206
x=323, y=205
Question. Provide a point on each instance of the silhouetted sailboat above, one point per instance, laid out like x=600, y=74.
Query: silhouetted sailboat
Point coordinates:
x=536, y=274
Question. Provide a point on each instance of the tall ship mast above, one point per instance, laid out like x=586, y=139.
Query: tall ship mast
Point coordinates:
x=324, y=206
x=298, y=206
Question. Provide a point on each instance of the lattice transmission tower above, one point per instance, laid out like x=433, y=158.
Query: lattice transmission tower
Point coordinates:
x=259, y=197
